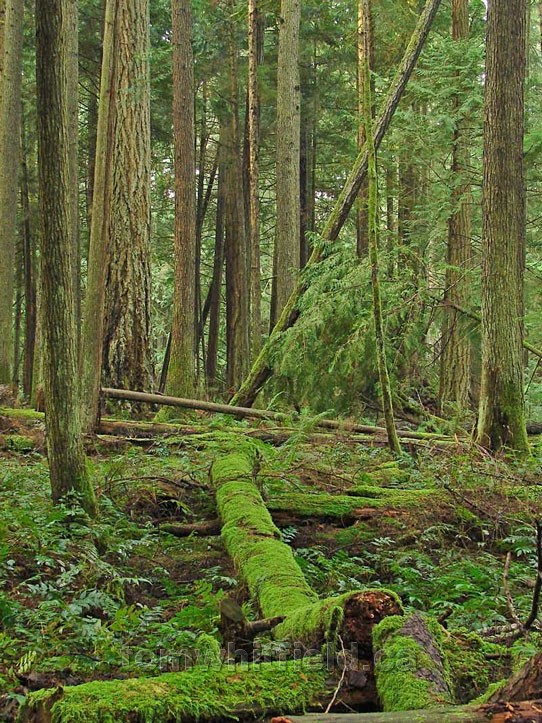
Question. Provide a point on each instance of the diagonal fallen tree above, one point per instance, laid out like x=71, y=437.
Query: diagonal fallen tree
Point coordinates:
x=261, y=369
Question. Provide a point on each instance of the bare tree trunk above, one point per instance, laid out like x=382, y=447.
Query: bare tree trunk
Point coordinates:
x=456, y=346
x=126, y=354
x=287, y=248
x=94, y=312
x=67, y=463
x=11, y=39
x=182, y=379
x=73, y=112
x=255, y=48
x=236, y=247
x=29, y=261
x=365, y=30
x=501, y=420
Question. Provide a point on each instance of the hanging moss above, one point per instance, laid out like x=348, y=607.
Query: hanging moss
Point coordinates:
x=201, y=693
x=410, y=666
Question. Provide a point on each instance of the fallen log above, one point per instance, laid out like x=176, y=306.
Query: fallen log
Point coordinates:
x=410, y=666
x=524, y=712
x=207, y=528
x=203, y=693
x=523, y=685
x=214, y=407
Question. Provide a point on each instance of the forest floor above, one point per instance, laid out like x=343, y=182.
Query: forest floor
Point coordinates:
x=121, y=597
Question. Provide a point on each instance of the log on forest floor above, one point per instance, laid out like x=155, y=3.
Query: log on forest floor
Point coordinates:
x=523, y=712
x=526, y=684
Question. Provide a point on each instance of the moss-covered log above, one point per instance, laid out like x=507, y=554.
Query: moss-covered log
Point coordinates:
x=410, y=666
x=274, y=578
x=202, y=693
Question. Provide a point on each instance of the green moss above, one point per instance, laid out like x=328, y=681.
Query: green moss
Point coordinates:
x=217, y=692
x=341, y=506
x=254, y=542
x=27, y=414
x=405, y=672
x=470, y=670
x=19, y=443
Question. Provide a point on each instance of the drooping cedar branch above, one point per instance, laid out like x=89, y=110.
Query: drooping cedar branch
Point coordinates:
x=261, y=370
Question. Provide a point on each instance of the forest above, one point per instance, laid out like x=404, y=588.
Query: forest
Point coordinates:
x=270, y=361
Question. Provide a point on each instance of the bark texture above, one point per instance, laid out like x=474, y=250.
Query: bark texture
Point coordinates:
x=11, y=39
x=182, y=378
x=287, y=246
x=365, y=45
x=456, y=346
x=501, y=419
x=64, y=441
x=126, y=352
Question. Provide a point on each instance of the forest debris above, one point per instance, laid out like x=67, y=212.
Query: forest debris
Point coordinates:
x=205, y=528
x=214, y=407
x=526, y=684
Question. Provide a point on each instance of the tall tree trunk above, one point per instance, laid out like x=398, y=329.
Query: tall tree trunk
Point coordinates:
x=236, y=247
x=11, y=41
x=215, y=291
x=126, y=355
x=94, y=312
x=365, y=45
x=255, y=48
x=372, y=218
x=287, y=247
x=67, y=463
x=501, y=420
x=73, y=112
x=391, y=189
x=16, y=374
x=307, y=160
x=181, y=379
x=29, y=260
x=456, y=346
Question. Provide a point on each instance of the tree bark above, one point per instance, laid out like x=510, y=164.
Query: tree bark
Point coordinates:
x=29, y=261
x=181, y=378
x=11, y=43
x=255, y=48
x=261, y=369
x=287, y=248
x=455, y=368
x=67, y=464
x=94, y=312
x=237, y=251
x=501, y=418
x=126, y=352
x=365, y=45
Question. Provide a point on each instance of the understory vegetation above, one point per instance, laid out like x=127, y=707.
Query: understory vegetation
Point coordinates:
x=120, y=597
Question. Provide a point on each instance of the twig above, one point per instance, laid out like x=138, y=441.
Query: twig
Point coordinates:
x=509, y=599
x=341, y=680
x=538, y=585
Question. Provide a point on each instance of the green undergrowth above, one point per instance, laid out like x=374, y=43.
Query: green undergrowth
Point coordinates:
x=83, y=600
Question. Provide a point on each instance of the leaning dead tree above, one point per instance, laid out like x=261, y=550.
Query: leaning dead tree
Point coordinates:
x=261, y=370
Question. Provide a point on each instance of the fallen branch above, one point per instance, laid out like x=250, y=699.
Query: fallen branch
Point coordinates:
x=249, y=412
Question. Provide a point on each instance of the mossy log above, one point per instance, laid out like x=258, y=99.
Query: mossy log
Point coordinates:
x=410, y=666
x=217, y=692
x=523, y=685
x=274, y=578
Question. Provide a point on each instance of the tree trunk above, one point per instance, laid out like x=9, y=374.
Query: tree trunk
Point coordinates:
x=255, y=49
x=365, y=38
x=73, y=113
x=11, y=43
x=94, y=312
x=261, y=369
x=236, y=248
x=501, y=420
x=126, y=353
x=215, y=290
x=29, y=261
x=63, y=414
x=181, y=378
x=287, y=247
x=456, y=345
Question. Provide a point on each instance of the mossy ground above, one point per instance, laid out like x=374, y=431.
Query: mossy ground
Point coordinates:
x=118, y=597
